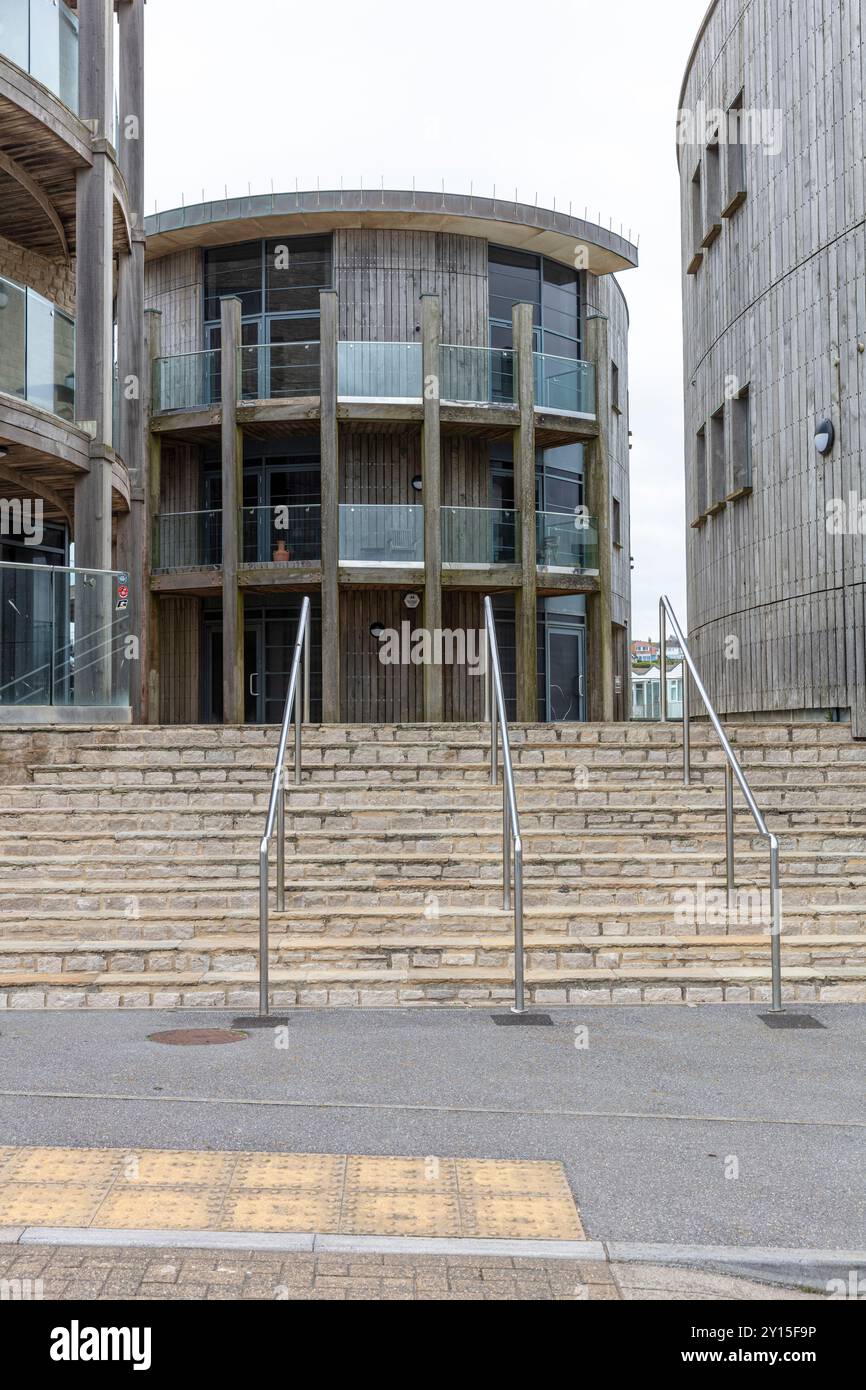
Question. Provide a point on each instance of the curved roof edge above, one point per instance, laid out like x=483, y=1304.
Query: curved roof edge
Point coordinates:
x=553, y=234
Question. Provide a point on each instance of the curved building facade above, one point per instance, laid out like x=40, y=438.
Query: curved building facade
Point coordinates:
x=771, y=157
x=393, y=402
x=72, y=418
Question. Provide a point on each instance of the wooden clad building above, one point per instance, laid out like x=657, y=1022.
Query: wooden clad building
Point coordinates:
x=384, y=456
x=771, y=161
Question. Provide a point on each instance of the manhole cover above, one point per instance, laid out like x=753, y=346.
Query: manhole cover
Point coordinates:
x=196, y=1037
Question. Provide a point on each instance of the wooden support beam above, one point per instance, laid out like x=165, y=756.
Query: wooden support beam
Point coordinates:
x=330, y=470
x=39, y=196
x=232, y=503
x=526, y=625
x=431, y=458
x=27, y=483
x=598, y=497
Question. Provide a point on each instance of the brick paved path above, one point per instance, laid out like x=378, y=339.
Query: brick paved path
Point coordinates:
x=70, y=1272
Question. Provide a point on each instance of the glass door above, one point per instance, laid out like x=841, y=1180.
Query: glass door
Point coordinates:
x=566, y=679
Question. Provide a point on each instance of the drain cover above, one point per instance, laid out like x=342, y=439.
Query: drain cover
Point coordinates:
x=790, y=1021
x=196, y=1037
x=523, y=1020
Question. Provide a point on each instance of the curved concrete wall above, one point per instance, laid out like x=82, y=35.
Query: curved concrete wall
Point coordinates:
x=776, y=302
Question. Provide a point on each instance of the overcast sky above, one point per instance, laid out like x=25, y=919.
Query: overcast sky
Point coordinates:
x=569, y=100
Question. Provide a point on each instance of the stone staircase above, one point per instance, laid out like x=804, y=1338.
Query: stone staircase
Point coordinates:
x=129, y=857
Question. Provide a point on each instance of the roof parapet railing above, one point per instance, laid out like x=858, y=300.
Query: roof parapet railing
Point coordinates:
x=512, y=844
x=297, y=698
x=733, y=771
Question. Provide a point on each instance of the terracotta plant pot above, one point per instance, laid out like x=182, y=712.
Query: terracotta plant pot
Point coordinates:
x=281, y=554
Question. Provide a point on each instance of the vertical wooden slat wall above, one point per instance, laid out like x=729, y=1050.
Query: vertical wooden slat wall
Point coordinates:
x=778, y=303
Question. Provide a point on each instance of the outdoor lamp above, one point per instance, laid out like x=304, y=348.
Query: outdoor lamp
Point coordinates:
x=824, y=437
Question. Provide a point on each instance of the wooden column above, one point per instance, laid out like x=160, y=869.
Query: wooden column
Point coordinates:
x=431, y=476
x=132, y=358
x=598, y=497
x=94, y=367
x=526, y=626
x=232, y=503
x=330, y=469
x=150, y=656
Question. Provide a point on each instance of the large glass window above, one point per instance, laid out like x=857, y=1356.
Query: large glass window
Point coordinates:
x=278, y=284
x=37, y=350
x=278, y=277
x=41, y=36
x=552, y=289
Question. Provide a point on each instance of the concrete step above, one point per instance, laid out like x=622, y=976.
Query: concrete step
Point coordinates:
x=547, y=770
x=137, y=921
x=425, y=895
x=90, y=871
x=183, y=835
x=447, y=985
x=391, y=952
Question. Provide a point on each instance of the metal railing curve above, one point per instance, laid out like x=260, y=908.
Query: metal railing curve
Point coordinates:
x=512, y=844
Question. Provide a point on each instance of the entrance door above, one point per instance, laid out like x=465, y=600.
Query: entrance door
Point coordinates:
x=254, y=673
x=566, y=667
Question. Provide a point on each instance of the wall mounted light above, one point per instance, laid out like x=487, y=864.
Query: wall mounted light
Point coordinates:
x=4, y=453
x=377, y=630
x=418, y=482
x=824, y=437
x=412, y=601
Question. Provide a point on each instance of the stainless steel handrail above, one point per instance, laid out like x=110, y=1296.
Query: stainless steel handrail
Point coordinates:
x=277, y=804
x=732, y=770
x=510, y=819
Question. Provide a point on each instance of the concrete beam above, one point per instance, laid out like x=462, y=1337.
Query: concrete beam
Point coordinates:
x=526, y=625
x=330, y=471
x=232, y=503
x=431, y=475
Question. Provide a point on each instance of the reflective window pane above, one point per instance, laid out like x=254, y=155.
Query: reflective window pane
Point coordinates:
x=13, y=320
x=296, y=269
x=234, y=270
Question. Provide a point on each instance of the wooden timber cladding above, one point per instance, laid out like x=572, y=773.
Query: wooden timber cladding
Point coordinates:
x=777, y=303
x=380, y=277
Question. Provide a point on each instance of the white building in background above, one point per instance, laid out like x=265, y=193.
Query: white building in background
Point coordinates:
x=646, y=692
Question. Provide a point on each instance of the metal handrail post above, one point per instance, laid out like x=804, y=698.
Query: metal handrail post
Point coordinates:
x=511, y=819
x=734, y=770
x=281, y=848
x=306, y=667
x=776, y=926
x=494, y=748
x=687, y=730
x=276, y=811
x=729, y=832
x=299, y=718
x=506, y=849
x=663, y=664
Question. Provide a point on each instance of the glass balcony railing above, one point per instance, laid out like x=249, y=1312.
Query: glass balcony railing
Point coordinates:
x=566, y=540
x=564, y=383
x=381, y=535
x=187, y=540
x=63, y=636
x=281, y=534
x=41, y=36
x=379, y=371
x=479, y=536
x=37, y=350
x=278, y=371
x=478, y=375
x=188, y=382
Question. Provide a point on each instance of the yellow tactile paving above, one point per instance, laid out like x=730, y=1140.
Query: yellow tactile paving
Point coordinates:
x=347, y=1194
